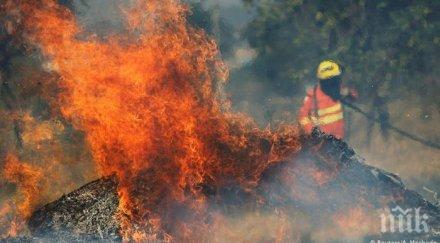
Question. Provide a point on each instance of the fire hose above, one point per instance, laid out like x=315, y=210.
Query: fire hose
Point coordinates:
x=391, y=127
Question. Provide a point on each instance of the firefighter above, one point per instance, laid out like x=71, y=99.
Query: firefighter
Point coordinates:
x=322, y=106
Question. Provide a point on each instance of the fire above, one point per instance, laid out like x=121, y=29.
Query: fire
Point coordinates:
x=27, y=179
x=151, y=106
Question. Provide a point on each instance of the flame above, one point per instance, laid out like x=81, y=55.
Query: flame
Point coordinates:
x=151, y=106
x=15, y=211
x=26, y=177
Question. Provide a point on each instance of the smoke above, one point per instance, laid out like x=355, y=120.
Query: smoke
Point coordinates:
x=416, y=164
x=41, y=156
x=265, y=100
x=142, y=93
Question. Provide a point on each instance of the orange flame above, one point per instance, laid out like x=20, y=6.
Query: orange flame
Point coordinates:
x=26, y=177
x=151, y=106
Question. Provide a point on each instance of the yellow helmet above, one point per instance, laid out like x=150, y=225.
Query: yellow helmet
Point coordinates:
x=328, y=69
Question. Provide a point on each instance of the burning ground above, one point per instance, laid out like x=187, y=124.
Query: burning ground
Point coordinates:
x=323, y=193
x=178, y=164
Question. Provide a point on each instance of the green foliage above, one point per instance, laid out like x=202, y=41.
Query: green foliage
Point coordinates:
x=388, y=47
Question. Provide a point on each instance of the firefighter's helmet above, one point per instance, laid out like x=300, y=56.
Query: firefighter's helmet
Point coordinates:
x=328, y=69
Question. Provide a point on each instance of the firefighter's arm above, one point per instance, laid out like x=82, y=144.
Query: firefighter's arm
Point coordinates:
x=303, y=114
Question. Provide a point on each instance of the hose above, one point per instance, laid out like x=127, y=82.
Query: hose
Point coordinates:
x=391, y=127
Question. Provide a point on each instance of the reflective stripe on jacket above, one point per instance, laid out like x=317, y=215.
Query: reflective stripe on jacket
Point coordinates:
x=324, y=112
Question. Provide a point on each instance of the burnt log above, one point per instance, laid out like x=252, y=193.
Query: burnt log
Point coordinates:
x=88, y=213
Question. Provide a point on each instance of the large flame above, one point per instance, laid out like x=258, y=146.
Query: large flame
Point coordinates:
x=150, y=104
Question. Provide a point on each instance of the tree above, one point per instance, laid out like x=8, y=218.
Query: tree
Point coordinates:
x=387, y=47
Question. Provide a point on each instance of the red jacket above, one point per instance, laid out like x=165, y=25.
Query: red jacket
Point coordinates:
x=319, y=110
